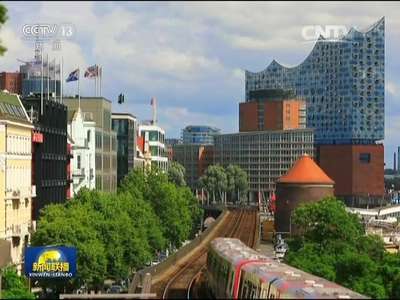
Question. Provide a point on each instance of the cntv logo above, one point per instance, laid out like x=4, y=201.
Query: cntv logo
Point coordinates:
x=331, y=33
x=48, y=31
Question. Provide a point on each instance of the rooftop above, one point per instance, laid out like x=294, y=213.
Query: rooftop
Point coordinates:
x=305, y=170
x=11, y=108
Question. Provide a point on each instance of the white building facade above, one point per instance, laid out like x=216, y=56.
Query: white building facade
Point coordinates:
x=155, y=137
x=82, y=132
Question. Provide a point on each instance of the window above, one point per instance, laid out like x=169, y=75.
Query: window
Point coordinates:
x=78, y=161
x=365, y=158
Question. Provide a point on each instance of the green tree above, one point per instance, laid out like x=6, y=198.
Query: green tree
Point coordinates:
x=332, y=244
x=74, y=225
x=3, y=19
x=114, y=234
x=215, y=182
x=14, y=286
x=176, y=173
x=327, y=220
x=175, y=206
x=237, y=183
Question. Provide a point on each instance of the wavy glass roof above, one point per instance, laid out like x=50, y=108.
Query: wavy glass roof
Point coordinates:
x=342, y=82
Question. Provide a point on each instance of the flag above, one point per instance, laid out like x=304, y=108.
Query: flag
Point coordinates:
x=92, y=72
x=153, y=101
x=73, y=76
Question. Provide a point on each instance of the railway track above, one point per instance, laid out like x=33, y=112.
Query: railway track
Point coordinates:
x=241, y=224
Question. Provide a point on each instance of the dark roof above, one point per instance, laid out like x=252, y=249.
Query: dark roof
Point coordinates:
x=272, y=94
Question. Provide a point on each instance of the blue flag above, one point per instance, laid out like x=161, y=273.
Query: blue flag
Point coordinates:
x=74, y=76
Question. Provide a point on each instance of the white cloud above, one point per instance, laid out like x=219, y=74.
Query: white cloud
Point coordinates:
x=180, y=117
x=193, y=52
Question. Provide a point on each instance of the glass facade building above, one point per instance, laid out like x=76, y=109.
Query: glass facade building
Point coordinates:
x=342, y=82
x=203, y=135
x=125, y=126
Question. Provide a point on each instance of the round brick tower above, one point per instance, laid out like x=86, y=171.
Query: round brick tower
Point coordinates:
x=305, y=182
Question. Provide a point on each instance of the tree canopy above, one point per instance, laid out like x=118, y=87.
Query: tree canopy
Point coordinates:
x=176, y=207
x=3, y=19
x=219, y=181
x=176, y=173
x=14, y=286
x=332, y=244
x=116, y=234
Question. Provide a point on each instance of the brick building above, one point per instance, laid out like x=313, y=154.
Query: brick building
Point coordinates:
x=357, y=171
x=11, y=81
x=272, y=109
x=304, y=183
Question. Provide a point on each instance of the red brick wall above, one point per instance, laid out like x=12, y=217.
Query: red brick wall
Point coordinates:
x=273, y=115
x=11, y=82
x=276, y=116
x=353, y=177
x=248, y=119
x=291, y=117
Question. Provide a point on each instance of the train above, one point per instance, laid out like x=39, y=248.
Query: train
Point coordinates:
x=235, y=271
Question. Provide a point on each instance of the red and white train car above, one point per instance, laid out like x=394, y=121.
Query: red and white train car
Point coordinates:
x=236, y=271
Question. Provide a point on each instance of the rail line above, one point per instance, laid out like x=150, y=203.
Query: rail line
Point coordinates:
x=241, y=223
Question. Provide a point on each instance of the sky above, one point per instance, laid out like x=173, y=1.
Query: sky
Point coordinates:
x=192, y=56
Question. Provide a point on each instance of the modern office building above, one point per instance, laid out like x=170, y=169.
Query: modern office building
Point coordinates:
x=264, y=155
x=198, y=134
x=169, y=144
x=31, y=76
x=11, y=81
x=126, y=128
x=195, y=158
x=154, y=135
x=16, y=189
x=342, y=82
x=82, y=132
x=273, y=109
x=98, y=110
x=49, y=151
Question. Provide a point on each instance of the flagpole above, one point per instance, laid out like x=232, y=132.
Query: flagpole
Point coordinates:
x=62, y=79
x=79, y=90
x=95, y=86
x=55, y=81
x=41, y=88
x=48, y=78
x=101, y=78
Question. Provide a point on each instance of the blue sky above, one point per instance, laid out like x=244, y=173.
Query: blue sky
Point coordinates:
x=191, y=56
